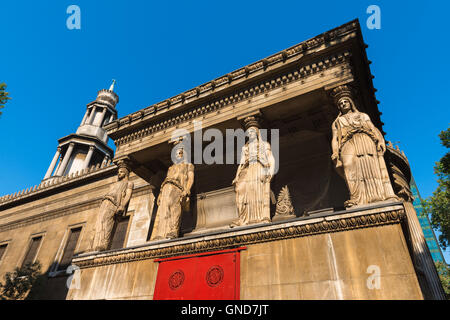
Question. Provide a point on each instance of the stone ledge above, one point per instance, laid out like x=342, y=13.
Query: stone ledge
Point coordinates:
x=62, y=211
x=55, y=184
x=362, y=217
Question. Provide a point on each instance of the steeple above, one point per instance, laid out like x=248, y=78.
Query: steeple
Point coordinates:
x=111, y=88
x=89, y=145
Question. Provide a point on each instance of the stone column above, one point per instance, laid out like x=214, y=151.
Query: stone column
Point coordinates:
x=88, y=157
x=102, y=117
x=84, y=118
x=58, y=166
x=53, y=164
x=91, y=116
x=422, y=257
x=66, y=158
x=105, y=160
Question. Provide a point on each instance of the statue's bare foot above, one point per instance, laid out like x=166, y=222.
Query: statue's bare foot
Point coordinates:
x=349, y=203
x=171, y=235
x=235, y=223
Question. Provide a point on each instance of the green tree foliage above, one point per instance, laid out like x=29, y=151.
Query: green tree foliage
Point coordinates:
x=438, y=205
x=444, y=273
x=4, y=96
x=17, y=284
x=445, y=140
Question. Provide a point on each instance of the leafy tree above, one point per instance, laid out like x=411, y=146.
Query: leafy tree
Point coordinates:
x=4, y=96
x=438, y=205
x=444, y=273
x=445, y=140
x=18, y=283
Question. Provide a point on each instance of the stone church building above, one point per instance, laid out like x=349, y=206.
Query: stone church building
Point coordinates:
x=322, y=210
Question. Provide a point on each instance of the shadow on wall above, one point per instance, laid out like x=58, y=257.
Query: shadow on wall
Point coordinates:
x=49, y=288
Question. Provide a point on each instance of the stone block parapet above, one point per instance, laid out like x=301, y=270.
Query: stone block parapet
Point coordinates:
x=54, y=183
x=361, y=217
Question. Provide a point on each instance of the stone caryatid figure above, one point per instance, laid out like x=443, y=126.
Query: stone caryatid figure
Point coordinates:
x=253, y=177
x=113, y=206
x=358, y=148
x=173, y=196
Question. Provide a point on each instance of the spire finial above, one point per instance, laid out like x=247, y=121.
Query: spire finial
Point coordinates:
x=111, y=88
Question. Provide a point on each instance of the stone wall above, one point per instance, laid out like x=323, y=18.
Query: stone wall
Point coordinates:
x=330, y=266
x=52, y=216
x=322, y=257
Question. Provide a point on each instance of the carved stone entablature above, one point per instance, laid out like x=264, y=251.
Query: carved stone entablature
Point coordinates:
x=54, y=184
x=312, y=46
x=300, y=73
x=61, y=212
x=370, y=217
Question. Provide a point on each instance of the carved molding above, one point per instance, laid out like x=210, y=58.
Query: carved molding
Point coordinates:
x=54, y=183
x=339, y=34
x=287, y=231
x=64, y=211
x=299, y=74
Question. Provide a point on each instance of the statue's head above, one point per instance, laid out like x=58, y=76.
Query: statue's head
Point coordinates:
x=122, y=173
x=179, y=153
x=345, y=104
x=343, y=97
x=124, y=169
x=252, y=133
x=252, y=125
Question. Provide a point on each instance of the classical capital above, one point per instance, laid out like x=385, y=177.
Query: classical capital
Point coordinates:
x=252, y=121
x=124, y=163
x=341, y=92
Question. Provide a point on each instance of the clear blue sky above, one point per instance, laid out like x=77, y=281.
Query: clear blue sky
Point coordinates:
x=158, y=49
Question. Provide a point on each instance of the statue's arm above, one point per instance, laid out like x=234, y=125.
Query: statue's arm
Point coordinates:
x=127, y=197
x=242, y=162
x=334, y=143
x=381, y=145
x=271, y=160
x=190, y=180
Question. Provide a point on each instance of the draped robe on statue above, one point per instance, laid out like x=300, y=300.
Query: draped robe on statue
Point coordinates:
x=104, y=225
x=252, y=186
x=364, y=168
x=168, y=216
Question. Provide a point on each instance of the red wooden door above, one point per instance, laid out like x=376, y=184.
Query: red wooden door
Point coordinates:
x=204, y=276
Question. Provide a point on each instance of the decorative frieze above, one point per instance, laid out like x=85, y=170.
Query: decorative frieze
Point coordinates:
x=64, y=211
x=244, y=94
x=307, y=226
x=341, y=33
x=56, y=182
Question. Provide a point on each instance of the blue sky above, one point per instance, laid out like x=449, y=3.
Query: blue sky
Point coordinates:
x=158, y=49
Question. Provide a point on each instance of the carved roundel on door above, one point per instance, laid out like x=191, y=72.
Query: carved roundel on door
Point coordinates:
x=176, y=279
x=214, y=276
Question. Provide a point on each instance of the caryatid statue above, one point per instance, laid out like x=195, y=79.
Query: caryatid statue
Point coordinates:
x=253, y=177
x=113, y=206
x=174, y=195
x=358, y=148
